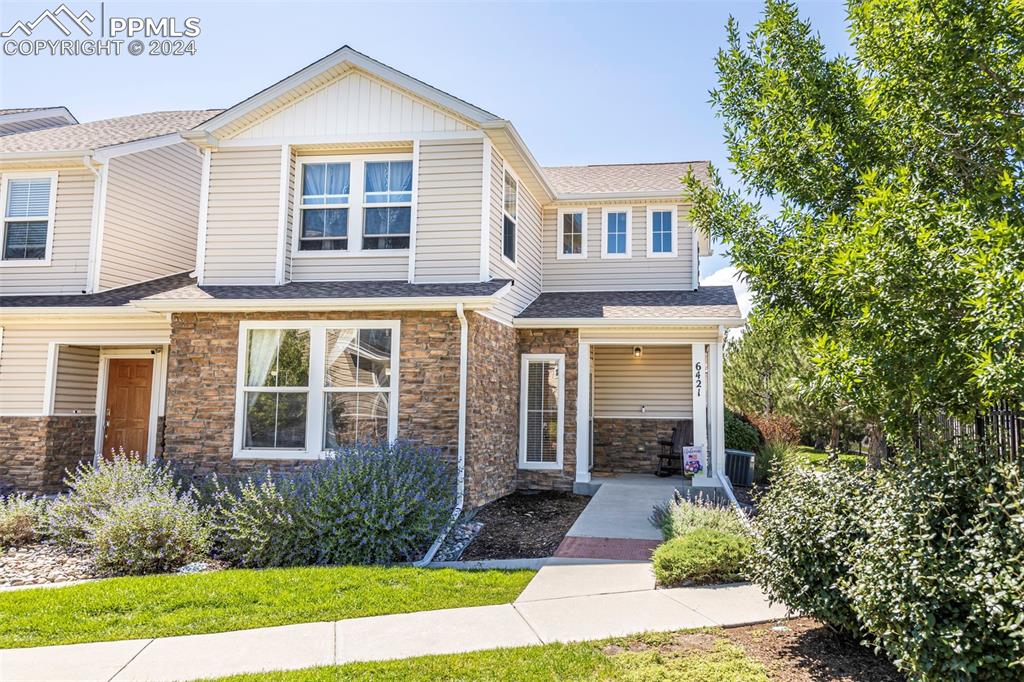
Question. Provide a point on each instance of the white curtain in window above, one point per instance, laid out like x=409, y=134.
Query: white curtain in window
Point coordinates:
x=313, y=179
x=344, y=340
x=401, y=176
x=263, y=344
x=377, y=177
x=337, y=179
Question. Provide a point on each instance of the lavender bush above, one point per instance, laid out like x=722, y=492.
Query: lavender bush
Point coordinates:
x=21, y=519
x=254, y=521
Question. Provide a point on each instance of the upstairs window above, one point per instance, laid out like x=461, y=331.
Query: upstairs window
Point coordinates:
x=324, y=206
x=617, y=233
x=28, y=204
x=572, y=235
x=661, y=231
x=511, y=207
x=388, y=200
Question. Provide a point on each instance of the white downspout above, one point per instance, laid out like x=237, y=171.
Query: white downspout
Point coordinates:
x=461, y=476
x=95, y=221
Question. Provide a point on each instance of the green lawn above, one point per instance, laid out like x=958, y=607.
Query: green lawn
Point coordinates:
x=663, y=656
x=165, y=605
x=818, y=458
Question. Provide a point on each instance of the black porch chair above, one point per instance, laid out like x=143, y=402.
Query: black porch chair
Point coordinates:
x=670, y=460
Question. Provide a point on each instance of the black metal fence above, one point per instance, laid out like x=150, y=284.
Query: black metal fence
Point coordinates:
x=1000, y=428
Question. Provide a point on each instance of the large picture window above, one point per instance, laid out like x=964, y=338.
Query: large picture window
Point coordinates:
x=28, y=205
x=541, y=411
x=306, y=388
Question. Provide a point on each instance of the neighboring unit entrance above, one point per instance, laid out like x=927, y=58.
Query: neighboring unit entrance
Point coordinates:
x=129, y=393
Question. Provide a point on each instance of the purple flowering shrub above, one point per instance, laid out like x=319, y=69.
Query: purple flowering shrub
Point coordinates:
x=254, y=521
x=151, y=533
x=21, y=519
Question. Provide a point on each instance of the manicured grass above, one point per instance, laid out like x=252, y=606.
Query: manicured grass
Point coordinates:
x=819, y=458
x=646, y=657
x=165, y=605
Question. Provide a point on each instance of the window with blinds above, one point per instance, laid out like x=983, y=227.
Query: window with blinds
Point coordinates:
x=28, y=209
x=541, y=411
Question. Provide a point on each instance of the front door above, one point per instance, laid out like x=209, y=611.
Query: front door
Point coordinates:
x=129, y=392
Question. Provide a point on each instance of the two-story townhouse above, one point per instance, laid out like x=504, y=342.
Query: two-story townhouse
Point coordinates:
x=379, y=259
x=93, y=216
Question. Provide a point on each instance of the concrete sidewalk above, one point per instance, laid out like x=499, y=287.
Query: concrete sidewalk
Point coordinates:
x=571, y=602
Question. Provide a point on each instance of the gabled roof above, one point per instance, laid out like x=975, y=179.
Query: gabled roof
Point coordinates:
x=93, y=135
x=707, y=305
x=623, y=177
x=324, y=70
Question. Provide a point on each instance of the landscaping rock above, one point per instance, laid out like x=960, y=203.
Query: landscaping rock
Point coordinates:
x=457, y=541
x=42, y=563
x=202, y=567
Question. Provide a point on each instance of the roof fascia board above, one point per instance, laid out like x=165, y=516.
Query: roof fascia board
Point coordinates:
x=103, y=154
x=362, y=139
x=283, y=304
x=61, y=112
x=502, y=127
x=92, y=312
x=618, y=196
x=335, y=59
x=583, y=322
x=60, y=155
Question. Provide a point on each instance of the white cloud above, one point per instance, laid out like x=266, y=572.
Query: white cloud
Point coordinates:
x=730, y=275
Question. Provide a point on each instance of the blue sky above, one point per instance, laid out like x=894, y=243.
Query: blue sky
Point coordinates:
x=583, y=82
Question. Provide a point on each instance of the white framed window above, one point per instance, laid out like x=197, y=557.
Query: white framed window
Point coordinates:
x=348, y=204
x=572, y=233
x=308, y=387
x=510, y=215
x=28, y=201
x=617, y=232
x=661, y=232
x=541, y=410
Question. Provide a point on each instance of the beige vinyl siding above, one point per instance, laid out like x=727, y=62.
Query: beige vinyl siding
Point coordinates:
x=289, y=215
x=26, y=347
x=527, y=270
x=75, y=386
x=69, y=263
x=448, y=210
x=152, y=212
x=659, y=380
x=608, y=274
x=242, y=216
x=353, y=104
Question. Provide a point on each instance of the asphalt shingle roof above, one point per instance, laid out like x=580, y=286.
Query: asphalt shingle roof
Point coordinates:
x=114, y=297
x=717, y=302
x=105, y=133
x=355, y=289
x=623, y=177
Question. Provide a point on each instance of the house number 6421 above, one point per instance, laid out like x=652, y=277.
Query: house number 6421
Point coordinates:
x=698, y=377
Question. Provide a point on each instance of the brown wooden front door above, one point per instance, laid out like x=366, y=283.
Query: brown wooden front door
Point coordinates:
x=129, y=391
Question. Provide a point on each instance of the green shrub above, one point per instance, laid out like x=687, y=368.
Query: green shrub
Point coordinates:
x=701, y=557
x=94, y=490
x=770, y=460
x=152, y=533
x=255, y=522
x=740, y=434
x=21, y=520
x=806, y=532
x=939, y=582
x=679, y=516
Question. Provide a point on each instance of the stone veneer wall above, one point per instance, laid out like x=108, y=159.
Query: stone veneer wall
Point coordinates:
x=553, y=341
x=36, y=452
x=200, y=415
x=492, y=411
x=629, y=445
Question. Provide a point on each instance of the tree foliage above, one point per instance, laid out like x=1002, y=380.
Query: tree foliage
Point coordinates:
x=899, y=171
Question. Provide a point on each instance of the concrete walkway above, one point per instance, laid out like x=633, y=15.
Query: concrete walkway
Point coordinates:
x=574, y=601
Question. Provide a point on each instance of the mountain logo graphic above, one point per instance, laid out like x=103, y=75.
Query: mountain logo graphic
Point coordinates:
x=53, y=16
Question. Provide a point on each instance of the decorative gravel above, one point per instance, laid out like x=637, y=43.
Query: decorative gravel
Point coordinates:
x=458, y=540
x=41, y=563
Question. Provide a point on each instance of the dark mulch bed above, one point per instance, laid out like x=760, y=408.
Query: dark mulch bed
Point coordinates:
x=807, y=651
x=524, y=525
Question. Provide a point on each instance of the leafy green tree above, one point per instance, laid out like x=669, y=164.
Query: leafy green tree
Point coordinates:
x=899, y=172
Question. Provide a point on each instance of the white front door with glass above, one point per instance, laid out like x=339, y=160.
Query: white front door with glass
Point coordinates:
x=306, y=388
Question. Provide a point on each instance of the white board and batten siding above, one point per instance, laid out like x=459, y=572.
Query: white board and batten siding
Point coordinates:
x=152, y=211
x=658, y=380
x=68, y=271
x=76, y=380
x=638, y=272
x=26, y=347
x=448, y=210
x=526, y=273
x=242, y=216
x=353, y=104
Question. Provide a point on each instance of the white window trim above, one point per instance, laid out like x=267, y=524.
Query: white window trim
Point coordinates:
x=560, y=255
x=51, y=214
x=524, y=363
x=355, y=204
x=651, y=210
x=628, y=210
x=516, y=220
x=315, y=391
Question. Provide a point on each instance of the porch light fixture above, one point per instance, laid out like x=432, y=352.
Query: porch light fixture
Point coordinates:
x=638, y=351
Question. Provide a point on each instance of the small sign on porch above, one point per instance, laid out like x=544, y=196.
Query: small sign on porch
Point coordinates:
x=693, y=459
